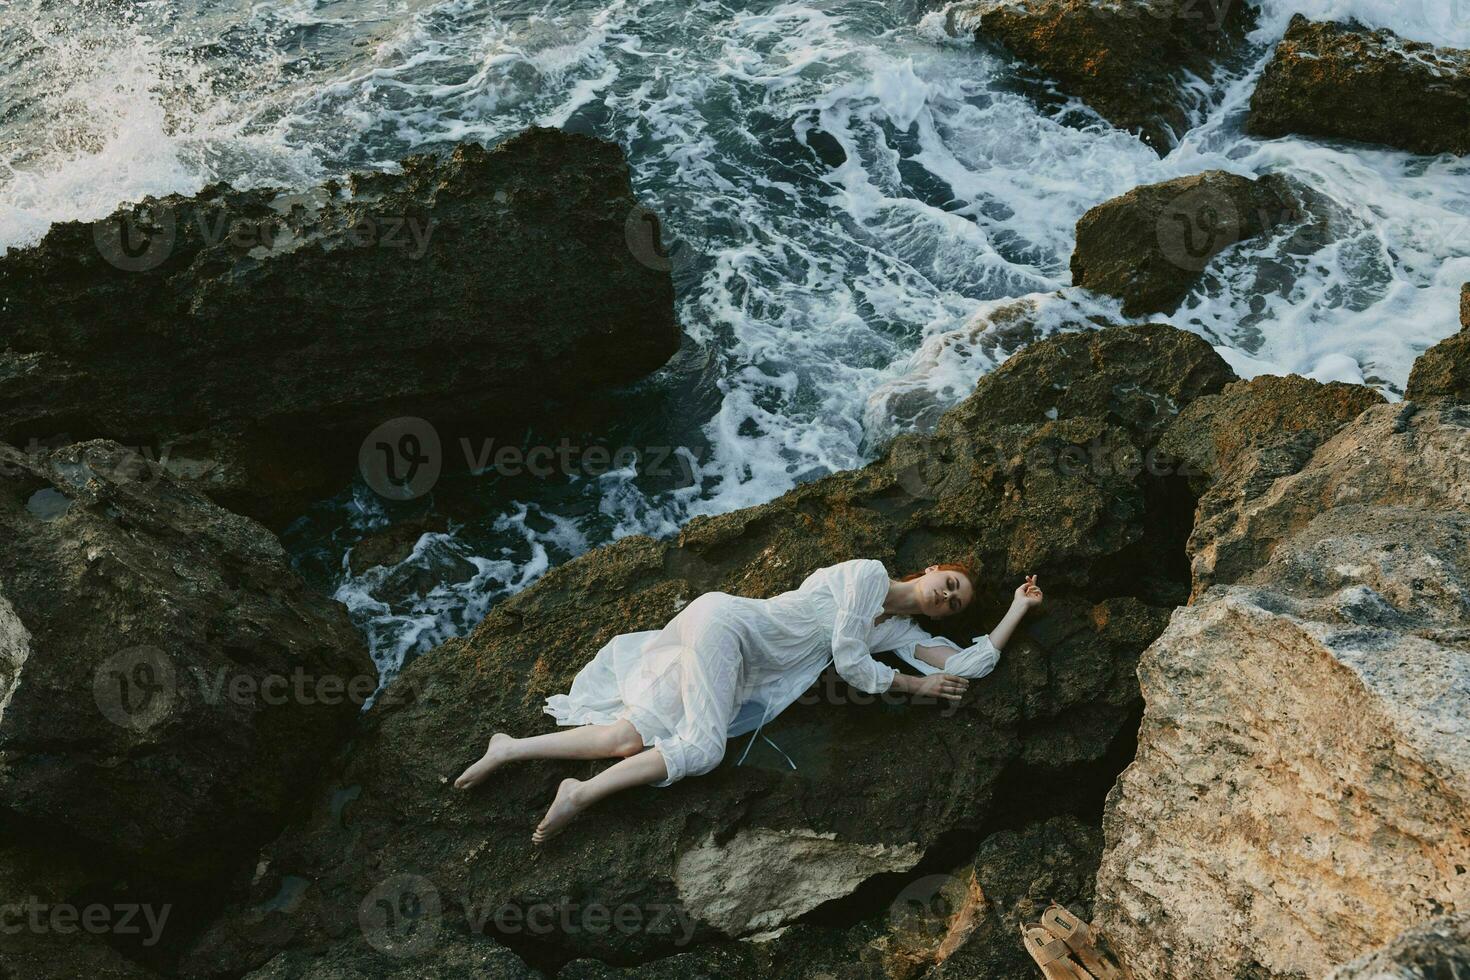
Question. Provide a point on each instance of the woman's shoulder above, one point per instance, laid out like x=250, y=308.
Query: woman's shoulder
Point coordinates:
x=860, y=573
x=852, y=568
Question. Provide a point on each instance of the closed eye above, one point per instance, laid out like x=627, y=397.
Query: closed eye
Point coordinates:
x=954, y=602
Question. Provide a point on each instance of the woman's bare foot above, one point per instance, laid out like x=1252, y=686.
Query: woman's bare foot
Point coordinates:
x=563, y=810
x=496, y=753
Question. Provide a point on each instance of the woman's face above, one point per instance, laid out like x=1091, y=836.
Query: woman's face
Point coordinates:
x=943, y=593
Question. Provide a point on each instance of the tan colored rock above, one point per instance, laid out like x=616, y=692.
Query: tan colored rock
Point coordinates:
x=1235, y=445
x=1301, y=793
x=761, y=878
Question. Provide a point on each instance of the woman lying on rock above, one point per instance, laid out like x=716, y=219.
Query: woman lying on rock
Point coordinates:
x=666, y=700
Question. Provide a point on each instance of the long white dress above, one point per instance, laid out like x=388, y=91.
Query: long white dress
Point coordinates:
x=727, y=664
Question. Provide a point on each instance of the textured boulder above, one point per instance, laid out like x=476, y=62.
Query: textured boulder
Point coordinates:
x=1014, y=876
x=915, y=401
x=1344, y=81
x=1443, y=371
x=1301, y=793
x=256, y=338
x=996, y=482
x=1236, y=444
x=1132, y=61
x=54, y=925
x=445, y=958
x=1149, y=246
x=168, y=685
x=943, y=925
x=1437, y=949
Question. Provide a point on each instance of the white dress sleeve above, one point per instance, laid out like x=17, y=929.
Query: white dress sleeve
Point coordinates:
x=859, y=586
x=976, y=661
x=904, y=635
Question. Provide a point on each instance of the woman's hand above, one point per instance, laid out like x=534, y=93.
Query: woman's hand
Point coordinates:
x=946, y=686
x=1028, y=595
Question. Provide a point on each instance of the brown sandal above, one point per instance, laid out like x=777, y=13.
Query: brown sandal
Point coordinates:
x=1081, y=939
x=1050, y=953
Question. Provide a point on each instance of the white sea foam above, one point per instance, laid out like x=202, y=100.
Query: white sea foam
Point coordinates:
x=855, y=194
x=1441, y=22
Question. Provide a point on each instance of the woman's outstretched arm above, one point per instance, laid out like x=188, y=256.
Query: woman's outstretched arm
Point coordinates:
x=1028, y=596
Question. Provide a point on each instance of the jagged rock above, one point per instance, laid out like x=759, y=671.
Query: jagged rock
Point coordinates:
x=1344, y=81
x=1443, y=371
x=256, y=338
x=168, y=685
x=762, y=878
x=1236, y=444
x=914, y=401
x=1016, y=875
x=1301, y=792
x=1035, y=737
x=1437, y=949
x=445, y=958
x=1133, y=61
x=946, y=925
x=1149, y=246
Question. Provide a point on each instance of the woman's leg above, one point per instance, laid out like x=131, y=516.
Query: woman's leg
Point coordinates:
x=575, y=795
x=583, y=742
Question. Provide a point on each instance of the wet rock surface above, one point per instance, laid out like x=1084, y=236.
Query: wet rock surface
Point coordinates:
x=1149, y=246
x=883, y=777
x=169, y=687
x=1130, y=60
x=1443, y=371
x=257, y=338
x=1343, y=81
